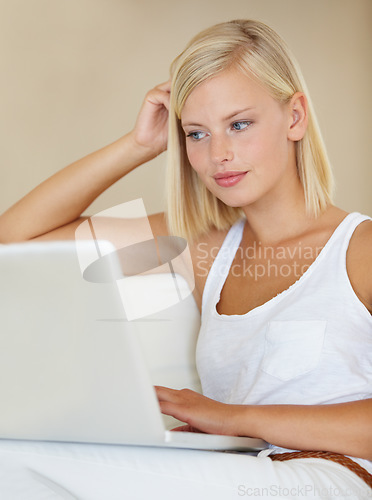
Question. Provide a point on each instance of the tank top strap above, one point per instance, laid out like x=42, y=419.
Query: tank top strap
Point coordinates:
x=333, y=255
x=221, y=265
x=332, y=265
x=347, y=228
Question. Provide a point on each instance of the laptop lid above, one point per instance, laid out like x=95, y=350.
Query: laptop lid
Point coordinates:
x=65, y=345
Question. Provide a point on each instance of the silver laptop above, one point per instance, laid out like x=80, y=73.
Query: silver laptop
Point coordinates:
x=71, y=366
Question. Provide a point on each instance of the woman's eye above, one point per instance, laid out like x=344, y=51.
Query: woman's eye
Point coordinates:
x=196, y=136
x=241, y=125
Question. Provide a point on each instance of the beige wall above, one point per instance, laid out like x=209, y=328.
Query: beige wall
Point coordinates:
x=73, y=74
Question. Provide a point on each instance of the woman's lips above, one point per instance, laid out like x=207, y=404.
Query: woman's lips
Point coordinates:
x=228, y=179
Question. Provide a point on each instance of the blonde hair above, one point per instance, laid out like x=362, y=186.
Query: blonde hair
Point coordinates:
x=257, y=50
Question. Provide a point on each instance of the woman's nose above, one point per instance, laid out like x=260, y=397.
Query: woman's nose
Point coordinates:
x=221, y=150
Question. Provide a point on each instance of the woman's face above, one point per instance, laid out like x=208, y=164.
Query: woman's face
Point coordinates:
x=237, y=140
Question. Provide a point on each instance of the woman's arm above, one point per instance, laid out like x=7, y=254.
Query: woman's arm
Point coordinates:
x=359, y=263
x=62, y=198
x=342, y=428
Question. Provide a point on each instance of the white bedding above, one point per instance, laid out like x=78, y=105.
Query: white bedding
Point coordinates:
x=52, y=471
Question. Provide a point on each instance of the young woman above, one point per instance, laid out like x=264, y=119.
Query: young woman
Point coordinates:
x=285, y=347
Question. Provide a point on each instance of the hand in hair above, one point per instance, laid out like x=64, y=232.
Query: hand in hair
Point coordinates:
x=151, y=128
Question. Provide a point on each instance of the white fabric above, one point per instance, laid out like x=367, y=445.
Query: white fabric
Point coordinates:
x=311, y=344
x=48, y=471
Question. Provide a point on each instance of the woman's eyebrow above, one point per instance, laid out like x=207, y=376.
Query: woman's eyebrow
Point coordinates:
x=239, y=112
x=235, y=113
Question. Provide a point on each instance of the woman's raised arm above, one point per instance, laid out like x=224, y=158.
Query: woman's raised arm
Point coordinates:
x=62, y=198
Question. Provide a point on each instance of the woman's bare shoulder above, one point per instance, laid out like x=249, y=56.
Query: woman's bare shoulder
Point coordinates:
x=359, y=262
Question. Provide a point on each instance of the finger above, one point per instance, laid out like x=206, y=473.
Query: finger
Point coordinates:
x=157, y=96
x=182, y=428
x=186, y=428
x=165, y=86
x=165, y=393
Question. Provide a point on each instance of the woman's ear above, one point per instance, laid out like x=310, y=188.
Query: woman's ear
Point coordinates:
x=298, y=116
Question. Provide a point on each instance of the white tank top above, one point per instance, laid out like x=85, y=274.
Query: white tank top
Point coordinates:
x=311, y=344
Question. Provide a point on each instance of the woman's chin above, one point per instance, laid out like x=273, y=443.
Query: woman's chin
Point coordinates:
x=235, y=202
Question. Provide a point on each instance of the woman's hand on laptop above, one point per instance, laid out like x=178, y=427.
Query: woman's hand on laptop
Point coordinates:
x=199, y=412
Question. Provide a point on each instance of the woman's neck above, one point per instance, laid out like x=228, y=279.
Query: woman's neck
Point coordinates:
x=275, y=223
